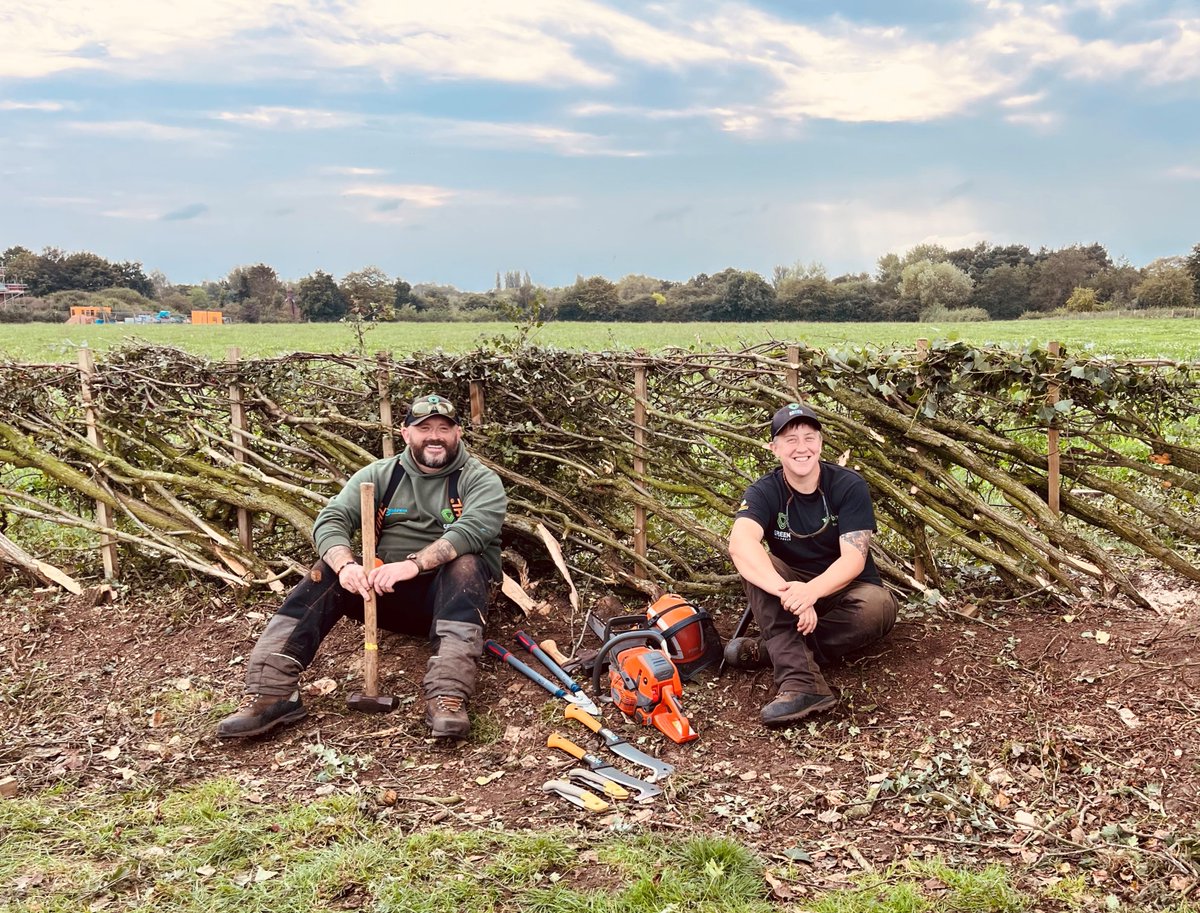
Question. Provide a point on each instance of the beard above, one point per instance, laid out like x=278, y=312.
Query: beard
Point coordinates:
x=436, y=460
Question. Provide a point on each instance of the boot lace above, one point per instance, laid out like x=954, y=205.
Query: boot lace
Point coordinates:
x=448, y=703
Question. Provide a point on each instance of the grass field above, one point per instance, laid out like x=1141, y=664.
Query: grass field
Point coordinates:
x=1177, y=338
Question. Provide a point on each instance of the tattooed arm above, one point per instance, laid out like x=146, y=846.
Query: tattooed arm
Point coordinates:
x=435, y=555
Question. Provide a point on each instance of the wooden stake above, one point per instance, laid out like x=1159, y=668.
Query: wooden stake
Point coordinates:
x=237, y=419
x=1053, y=472
x=476, y=402
x=640, y=393
x=104, y=513
x=793, y=371
x=918, y=562
x=382, y=377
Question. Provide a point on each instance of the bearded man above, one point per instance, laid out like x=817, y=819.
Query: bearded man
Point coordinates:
x=439, y=517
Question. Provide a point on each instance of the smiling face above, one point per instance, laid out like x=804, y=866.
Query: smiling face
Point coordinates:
x=798, y=447
x=433, y=443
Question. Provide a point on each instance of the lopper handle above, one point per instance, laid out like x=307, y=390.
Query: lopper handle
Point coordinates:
x=531, y=645
x=501, y=653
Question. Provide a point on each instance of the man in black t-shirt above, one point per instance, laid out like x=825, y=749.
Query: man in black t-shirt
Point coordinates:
x=815, y=592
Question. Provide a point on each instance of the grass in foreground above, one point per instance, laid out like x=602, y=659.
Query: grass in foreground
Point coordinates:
x=1177, y=338
x=208, y=848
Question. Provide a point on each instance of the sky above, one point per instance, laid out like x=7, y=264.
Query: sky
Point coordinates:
x=445, y=141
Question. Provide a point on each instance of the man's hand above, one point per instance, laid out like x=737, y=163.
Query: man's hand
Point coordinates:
x=800, y=598
x=384, y=578
x=353, y=577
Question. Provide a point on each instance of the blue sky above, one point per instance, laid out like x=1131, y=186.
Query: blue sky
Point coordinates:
x=445, y=141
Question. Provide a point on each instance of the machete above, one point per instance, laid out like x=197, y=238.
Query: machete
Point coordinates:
x=641, y=790
x=659, y=770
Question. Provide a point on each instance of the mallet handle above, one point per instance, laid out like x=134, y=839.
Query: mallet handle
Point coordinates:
x=366, y=494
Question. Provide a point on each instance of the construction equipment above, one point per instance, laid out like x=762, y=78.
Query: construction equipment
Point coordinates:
x=659, y=770
x=533, y=675
x=369, y=700
x=644, y=683
x=640, y=790
x=582, y=700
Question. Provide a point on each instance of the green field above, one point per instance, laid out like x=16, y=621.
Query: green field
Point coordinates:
x=1177, y=338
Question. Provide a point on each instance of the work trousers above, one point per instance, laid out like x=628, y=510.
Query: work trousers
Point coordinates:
x=849, y=619
x=448, y=605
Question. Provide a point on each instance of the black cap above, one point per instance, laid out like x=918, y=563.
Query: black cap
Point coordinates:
x=790, y=413
x=424, y=407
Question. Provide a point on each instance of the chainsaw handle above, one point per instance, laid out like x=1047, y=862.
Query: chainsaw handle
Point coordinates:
x=624, y=637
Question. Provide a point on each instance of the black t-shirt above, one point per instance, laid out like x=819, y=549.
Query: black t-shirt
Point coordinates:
x=786, y=515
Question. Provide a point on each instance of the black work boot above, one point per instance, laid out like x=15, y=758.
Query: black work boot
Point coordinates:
x=747, y=653
x=446, y=717
x=789, y=706
x=261, y=713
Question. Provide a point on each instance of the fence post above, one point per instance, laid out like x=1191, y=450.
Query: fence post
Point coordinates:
x=919, y=533
x=640, y=392
x=382, y=377
x=104, y=513
x=237, y=420
x=793, y=371
x=1053, y=476
x=477, y=402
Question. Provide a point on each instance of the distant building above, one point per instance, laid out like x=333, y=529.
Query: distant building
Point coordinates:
x=10, y=290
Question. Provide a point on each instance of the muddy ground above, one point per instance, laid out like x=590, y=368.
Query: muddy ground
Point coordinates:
x=1060, y=740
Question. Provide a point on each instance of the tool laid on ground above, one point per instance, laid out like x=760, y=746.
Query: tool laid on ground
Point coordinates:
x=533, y=675
x=592, y=780
x=659, y=770
x=576, y=795
x=640, y=790
x=645, y=683
x=369, y=699
x=564, y=661
x=582, y=700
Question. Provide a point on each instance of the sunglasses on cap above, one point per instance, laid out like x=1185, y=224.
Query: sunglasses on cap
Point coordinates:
x=432, y=405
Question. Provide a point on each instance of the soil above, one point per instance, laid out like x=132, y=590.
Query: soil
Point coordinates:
x=1059, y=741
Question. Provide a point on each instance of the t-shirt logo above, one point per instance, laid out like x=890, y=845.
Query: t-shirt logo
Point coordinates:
x=447, y=515
x=781, y=521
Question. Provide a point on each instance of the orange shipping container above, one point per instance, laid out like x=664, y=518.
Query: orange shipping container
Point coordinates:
x=207, y=317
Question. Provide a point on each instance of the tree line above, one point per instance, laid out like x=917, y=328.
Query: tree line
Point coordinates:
x=928, y=283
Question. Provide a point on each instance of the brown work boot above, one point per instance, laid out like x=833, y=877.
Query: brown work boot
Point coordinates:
x=747, y=653
x=261, y=713
x=790, y=706
x=446, y=717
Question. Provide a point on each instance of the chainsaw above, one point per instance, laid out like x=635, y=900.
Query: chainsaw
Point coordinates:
x=644, y=683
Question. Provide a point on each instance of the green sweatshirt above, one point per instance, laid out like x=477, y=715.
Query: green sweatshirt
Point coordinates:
x=415, y=517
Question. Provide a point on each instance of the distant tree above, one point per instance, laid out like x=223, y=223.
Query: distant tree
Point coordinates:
x=1058, y=273
x=1003, y=292
x=198, y=299
x=1192, y=265
x=934, y=253
x=935, y=284
x=370, y=293
x=1084, y=301
x=401, y=294
x=589, y=299
x=798, y=270
x=1167, y=284
x=1114, y=286
x=130, y=275
x=319, y=298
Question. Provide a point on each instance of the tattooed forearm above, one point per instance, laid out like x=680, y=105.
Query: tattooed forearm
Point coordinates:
x=338, y=556
x=435, y=555
x=859, y=539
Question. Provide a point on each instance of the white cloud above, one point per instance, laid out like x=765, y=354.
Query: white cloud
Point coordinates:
x=280, y=118
x=495, y=135
x=424, y=196
x=351, y=171
x=139, y=130
x=32, y=106
x=1184, y=172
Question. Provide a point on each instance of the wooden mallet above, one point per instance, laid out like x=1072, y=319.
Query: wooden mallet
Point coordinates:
x=370, y=700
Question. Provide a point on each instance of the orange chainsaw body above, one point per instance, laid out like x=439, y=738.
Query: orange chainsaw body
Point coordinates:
x=645, y=685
